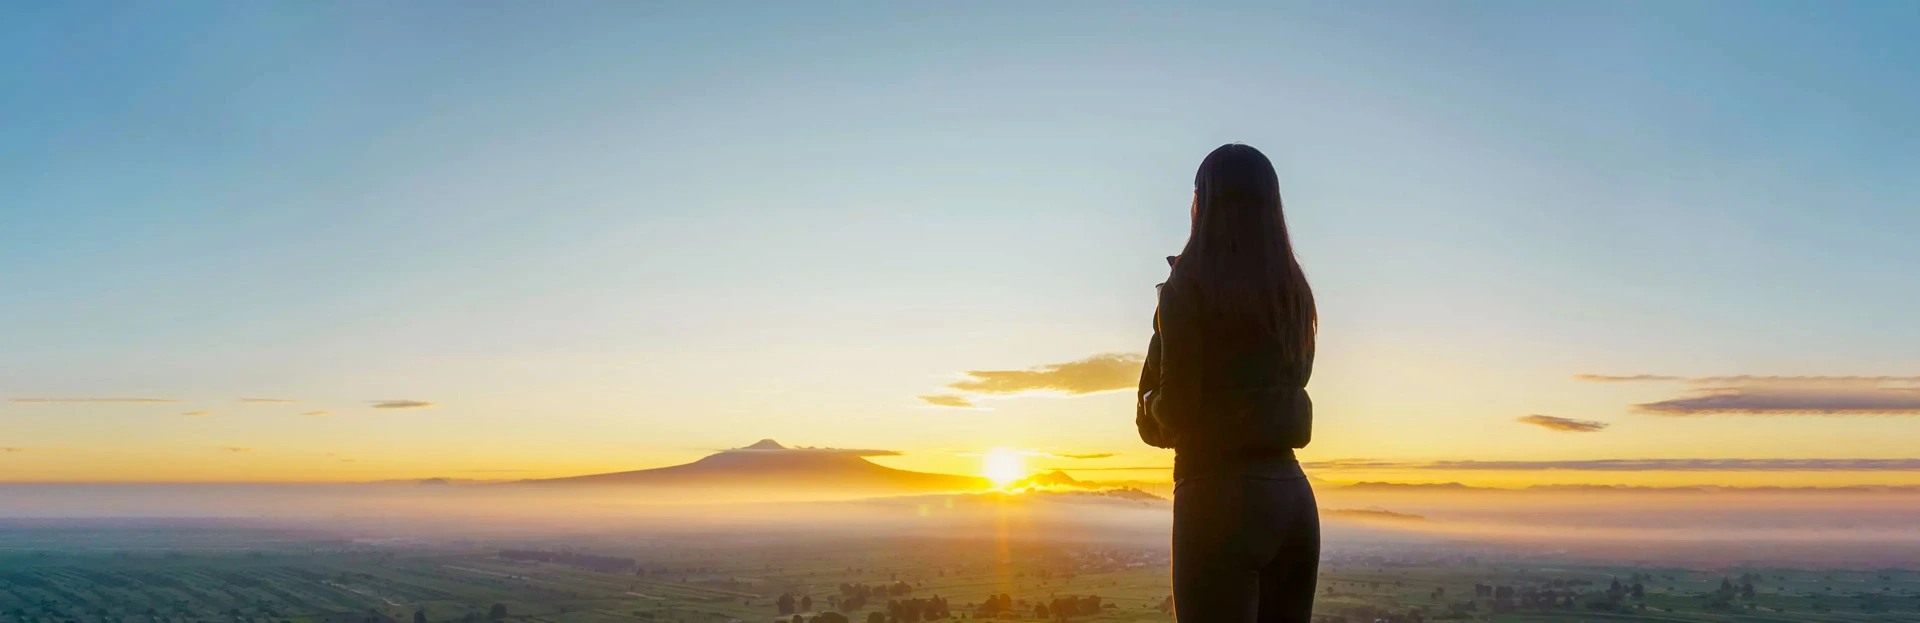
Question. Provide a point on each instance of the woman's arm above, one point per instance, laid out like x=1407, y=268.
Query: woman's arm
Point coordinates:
x=1177, y=392
x=1149, y=382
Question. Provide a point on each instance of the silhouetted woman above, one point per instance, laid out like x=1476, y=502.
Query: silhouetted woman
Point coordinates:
x=1225, y=387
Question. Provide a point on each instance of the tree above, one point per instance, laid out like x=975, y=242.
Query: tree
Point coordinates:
x=876, y=617
x=1040, y=611
x=785, y=603
x=420, y=616
x=497, y=612
x=806, y=603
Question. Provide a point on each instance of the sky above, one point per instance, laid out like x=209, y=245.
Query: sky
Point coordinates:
x=360, y=240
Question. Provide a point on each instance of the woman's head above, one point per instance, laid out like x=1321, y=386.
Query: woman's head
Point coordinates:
x=1239, y=258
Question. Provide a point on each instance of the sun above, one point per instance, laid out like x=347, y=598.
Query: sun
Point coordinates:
x=1003, y=466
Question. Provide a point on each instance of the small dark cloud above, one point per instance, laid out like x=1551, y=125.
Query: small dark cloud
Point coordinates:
x=1095, y=455
x=1099, y=373
x=144, y=401
x=403, y=404
x=346, y=460
x=267, y=400
x=947, y=400
x=318, y=413
x=11, y=449
x=1830, y=396
x=1568, y=425
x=1604, y=378
x=236, y=449
x=1782, y=395
x=197, y=413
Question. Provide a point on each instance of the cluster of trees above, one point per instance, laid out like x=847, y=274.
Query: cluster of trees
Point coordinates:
x=1063, y=607
x=1556, y=594
x=787, y=604
x=605, y=564
x=917, y=609
x=1728, y=592
x=856, y=596
x=827, y=617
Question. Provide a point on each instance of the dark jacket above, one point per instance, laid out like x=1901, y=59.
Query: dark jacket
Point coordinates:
x=1226, y=402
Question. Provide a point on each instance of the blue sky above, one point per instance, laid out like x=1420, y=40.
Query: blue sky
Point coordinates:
x=624, y=233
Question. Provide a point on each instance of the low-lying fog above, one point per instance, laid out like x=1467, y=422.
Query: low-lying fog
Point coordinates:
x=1851, y=528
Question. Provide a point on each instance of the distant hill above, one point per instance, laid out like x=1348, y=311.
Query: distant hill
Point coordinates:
x=768, y=465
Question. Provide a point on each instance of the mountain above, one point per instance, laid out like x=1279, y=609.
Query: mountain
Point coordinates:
x=1055, y=478
x=768, y=465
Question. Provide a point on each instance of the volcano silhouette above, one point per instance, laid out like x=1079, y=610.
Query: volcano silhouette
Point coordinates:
x=767, y=464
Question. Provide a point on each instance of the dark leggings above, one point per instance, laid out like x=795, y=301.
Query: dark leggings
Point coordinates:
x=1244, y=549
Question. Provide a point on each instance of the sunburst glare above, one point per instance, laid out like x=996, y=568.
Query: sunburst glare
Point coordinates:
x=1003, y=466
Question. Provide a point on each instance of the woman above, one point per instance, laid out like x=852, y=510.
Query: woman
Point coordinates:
x=1225, y=387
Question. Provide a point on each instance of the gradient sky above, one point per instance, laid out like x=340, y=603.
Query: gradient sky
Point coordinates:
x=620, y=235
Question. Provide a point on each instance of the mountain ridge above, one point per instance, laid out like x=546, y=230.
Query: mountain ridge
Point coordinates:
x=768, y=464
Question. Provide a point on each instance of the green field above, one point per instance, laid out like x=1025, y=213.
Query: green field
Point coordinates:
x=688, y=579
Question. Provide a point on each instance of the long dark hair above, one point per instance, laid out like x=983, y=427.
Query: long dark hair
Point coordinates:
x=1238, y=262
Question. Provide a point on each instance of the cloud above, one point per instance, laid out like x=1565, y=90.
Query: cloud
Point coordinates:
x=1802, y=380
x=1603, y=378
x=197, y=413
x=1355, y=464
x=11, y=449
x=948, y=400
x=1568, y=425
x=144, y=401
x=267, y=400
x=1781, y=395
x=318, y=413
x=1095, y=455
x=1636, y=465
x=403, y=404
x=1793, y=395
x=1689, y=465
x=1099, y=373
x=236, y=449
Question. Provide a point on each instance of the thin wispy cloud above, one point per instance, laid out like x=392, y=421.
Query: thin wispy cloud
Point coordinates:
x=403, y=404
x=1634, y=465
x=11, y=449
x=1691, y=465
x=236, y=449
x=1566, y=425
x=1355, y=464
x=144, y=401
x=1749, y=379
x=317, y=413
x=1604, y=378
x=1099, y=373
x=257, y=401
x=948, y=400
x=197, y=413
x=1094, y=455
